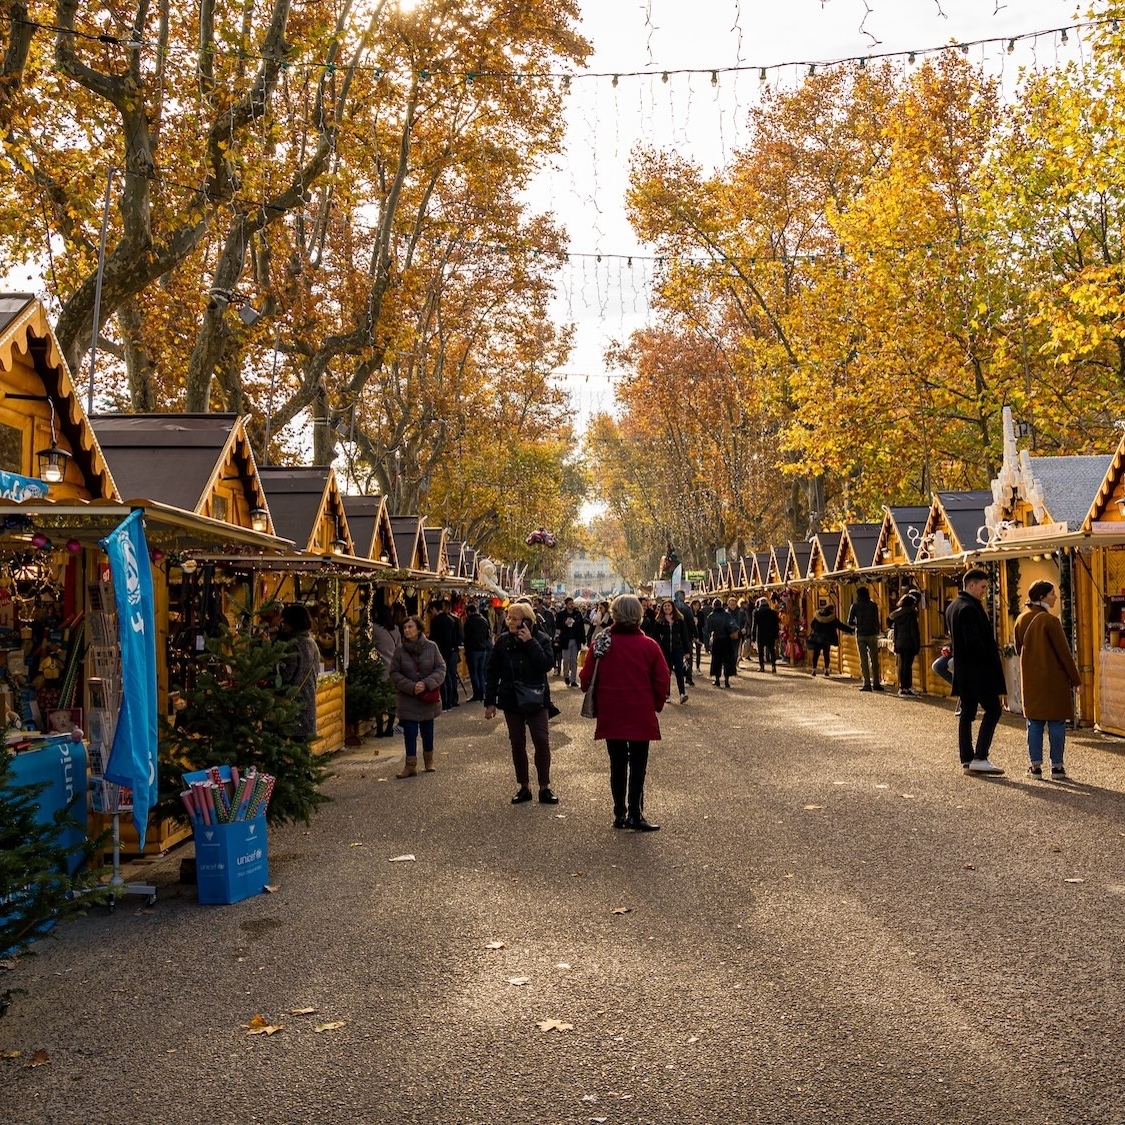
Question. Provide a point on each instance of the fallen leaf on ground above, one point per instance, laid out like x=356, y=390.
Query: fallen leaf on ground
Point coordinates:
x=259, y=1025
x=10, y=1054
x=693, y=1039
x=577, y=874
x=408, y=858
x=907, y=796
x=881, y=786
x=622, y=910
x=40, y=1058
x=811, y=808
x=969, y=867
x=356, y=844
x=519, y=980
x=301, y=1011
x=555, y=1025
x=1075, y=880
x=271, y=889
x=330, y=1026
x=495, y=945
x=561, y=965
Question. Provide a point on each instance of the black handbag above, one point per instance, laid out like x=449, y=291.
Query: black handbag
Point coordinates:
x=529, y=697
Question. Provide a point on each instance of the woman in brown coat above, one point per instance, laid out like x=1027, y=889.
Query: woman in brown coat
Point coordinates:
x=1049, y=676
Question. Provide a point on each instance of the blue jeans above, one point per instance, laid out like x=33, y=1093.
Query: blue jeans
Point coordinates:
x=410, y=729
x=1056, y=737
x=478, y=670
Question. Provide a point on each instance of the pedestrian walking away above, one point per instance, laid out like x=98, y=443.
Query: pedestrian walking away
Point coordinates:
x=1049, y=675
x=824, y=634
x=907, y=640
x=688, y=613
x=517, y=685
x=722, y=639
x=978, y=673
x=417, y=671
x=632, y=685
x=478, y=644
x=863, y=617
x=765, y=628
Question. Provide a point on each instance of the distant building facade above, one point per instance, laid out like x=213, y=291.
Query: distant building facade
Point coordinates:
x=591, y=576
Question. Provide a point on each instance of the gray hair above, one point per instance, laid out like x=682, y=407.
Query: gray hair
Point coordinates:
x=626, y=610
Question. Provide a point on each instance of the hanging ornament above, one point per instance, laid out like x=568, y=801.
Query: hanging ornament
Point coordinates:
x=156, y=554
x=73, y=546
x=40, y=540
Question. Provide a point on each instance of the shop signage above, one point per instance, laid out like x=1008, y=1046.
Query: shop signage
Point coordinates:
x=15, y=487
x=539, y=584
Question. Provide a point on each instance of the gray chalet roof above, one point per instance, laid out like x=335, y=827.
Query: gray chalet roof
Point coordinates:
x=363, y=515
x=1069, y=485
x=965, y=512
x=469, y=563
x=910, y=522
x=436, y=551
x=801, y=552
x=170, y=458
x=295, y=495
x=11, y=305
x=829, y=547
x=409, y=540
x=864, y=538
x=763, y=560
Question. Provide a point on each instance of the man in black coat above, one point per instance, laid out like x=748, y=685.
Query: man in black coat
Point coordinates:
x=765, y=627
x=445, y=632
x=688, y=614
x=478, y=646
x=978, y=672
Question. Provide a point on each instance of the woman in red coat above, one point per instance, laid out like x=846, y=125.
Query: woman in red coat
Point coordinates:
x=632, y=685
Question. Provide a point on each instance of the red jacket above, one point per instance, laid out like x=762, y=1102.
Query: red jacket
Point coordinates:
x=633, y=682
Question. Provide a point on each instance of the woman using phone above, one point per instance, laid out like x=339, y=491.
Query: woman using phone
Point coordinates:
x=517, y=685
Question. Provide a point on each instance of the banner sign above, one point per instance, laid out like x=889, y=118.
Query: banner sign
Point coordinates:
x=539, y=584
x=132, y=760
x=697, y=575
x=15, y=487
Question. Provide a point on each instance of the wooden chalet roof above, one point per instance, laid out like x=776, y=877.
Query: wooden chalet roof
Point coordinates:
x=469, y=563
x=857, y=546
x=825, y=548
x=762, y=566
x=1104, y=507
x=183, y=460
x=799, y=553
x=901, y=533
x=370, y=526
x=410, y=543
x=961, y=517
x=437, y=555
x=34, y=378
x=307, y=506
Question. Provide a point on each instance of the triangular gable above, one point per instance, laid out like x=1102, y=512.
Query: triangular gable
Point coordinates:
x=799, y=553
x=201, y=463
x=857, y=546
x=762, y=566
x=900, y=535
x=436, y=554
x=33, y=378
x=746, y=572
x=960, y=518
x=410, y=543
x=1105, y=507
x=469, y=563
x=773, y=570
x=307, y=507
x=822, y=557
x=370, y=527
x=454, y=550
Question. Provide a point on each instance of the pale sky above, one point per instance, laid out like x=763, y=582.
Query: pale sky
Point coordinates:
x=607, y=298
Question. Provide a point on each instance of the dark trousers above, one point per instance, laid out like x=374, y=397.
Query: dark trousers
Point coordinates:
x=518, y=726
x=628, y=764
x=905, y=670
x=478, y=670
x=411, y=728
x=699, y=656
x=724, y=657
x=990, y=708
x=767, y=653
x=816, y=650
x=675, y=661
x=449, y=684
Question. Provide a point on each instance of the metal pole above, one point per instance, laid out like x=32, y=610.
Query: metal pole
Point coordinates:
x=98, y=294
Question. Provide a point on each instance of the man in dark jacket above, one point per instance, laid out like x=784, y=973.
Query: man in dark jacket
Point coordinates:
x=478, y=644
x=445, y=632
x=688, y=614
x=978, y=672
x=570, y=636
x=863, y=617
x=765, y=627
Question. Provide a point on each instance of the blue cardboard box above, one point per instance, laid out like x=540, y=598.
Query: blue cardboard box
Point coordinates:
x=231, y=860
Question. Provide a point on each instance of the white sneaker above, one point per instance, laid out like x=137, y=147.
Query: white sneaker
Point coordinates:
x=683, y=698
x=978, y=765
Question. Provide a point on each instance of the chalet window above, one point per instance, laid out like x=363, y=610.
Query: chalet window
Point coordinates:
x=11, y=449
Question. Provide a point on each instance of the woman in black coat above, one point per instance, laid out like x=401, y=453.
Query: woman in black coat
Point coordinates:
x=674, y=636
x=907, y=640
x=521, y=658
x=723, y=634
x=824, y=634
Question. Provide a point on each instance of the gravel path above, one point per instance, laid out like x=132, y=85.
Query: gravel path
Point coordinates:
x=834, y=924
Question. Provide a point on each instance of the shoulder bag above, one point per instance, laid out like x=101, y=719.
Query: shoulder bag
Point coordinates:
x=589, y=699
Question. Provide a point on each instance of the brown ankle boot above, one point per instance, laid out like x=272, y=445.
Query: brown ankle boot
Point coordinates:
x=428, y=761
x=409, y=769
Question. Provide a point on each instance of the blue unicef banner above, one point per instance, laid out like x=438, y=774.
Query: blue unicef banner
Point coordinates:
x=132, y=760
x=15, y=487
